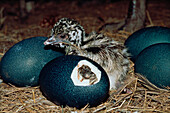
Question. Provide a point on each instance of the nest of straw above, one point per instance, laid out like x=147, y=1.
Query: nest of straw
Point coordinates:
x=143, y=97
x=136, y=95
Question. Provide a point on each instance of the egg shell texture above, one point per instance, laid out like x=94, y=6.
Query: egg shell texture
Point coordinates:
x=154, y=63
x=23, y=62
x=146, y=37
x=57, y=85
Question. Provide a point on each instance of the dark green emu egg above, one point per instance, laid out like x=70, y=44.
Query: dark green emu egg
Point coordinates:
x=146, y=37
x=61, y=82
x=154, y=63
x=22, y=63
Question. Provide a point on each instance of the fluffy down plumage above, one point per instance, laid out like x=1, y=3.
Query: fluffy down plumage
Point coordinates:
x=111, y=55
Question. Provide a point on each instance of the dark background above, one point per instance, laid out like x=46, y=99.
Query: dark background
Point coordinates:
x=92, y=14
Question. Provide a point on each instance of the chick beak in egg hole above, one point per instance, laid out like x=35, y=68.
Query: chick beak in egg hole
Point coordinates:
x=85, y=74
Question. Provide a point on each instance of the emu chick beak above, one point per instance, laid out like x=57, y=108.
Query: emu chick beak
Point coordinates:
x=53, y=40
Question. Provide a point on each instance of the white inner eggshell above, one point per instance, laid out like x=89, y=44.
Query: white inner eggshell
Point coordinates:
x=85, y=82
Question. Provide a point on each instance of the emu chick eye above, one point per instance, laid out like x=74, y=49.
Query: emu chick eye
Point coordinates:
x=62, y=36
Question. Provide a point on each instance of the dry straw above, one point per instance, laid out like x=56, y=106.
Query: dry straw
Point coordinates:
x=136, y=95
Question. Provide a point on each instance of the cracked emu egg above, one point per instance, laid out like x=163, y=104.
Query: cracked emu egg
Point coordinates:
x=22, y=63
x=74, y=81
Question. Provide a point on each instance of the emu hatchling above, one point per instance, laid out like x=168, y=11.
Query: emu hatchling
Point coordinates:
x=111, y=55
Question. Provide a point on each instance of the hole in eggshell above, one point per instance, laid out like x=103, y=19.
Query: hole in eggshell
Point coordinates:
x=85, y=74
